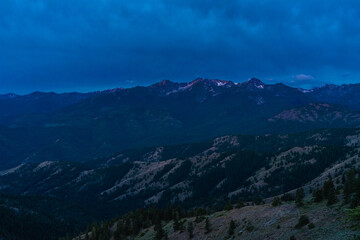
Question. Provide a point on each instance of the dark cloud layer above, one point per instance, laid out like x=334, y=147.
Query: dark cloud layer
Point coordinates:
x=93, y=44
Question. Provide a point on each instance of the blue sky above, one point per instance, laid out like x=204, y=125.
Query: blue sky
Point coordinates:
x=86, y=45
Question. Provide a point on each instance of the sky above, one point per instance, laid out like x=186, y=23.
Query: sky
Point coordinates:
x=87, y=45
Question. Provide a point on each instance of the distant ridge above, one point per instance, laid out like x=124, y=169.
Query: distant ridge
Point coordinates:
x=83, y=126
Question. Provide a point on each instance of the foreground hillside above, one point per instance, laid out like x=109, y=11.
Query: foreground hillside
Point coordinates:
x=285, y=220
x=195, y=175
x=266, y=222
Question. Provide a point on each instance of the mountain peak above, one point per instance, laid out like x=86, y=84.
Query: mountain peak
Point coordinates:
x=165, y=87
x=8, y=95
x=253, y=83
x=329, y=86
x=216, y=82
x=113, y=90
x=163, y=83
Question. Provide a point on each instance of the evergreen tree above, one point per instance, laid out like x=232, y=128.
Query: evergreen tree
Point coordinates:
x=136, y=226
x=299, y=197
x=126, y=227
x=228, y=206
x=276, y=202
x=318, y=195
x=159, y=232
x=343, y=179
x=303, y=220
x=190, y=229
x=104, y=233
x=168, y=213
x=118, y=231
x=329, y=192
x=207, y=226
x=231, y=228
x=331, y=196
x=354, y=200
x=326, y=187
x=176, y=223
x=347, y=190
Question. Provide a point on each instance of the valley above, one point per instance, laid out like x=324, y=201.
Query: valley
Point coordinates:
x=117, y=151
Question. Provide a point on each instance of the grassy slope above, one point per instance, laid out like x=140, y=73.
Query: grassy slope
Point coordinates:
x=330, y=223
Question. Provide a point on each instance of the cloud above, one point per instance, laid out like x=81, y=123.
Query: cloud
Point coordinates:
x=346, y=75
x=61, y=45
x=302, y=77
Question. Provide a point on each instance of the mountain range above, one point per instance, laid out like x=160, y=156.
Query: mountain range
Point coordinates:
x=84, y=126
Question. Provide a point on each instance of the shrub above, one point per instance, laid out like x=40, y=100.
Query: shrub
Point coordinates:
x=287, y=197
x=250, y=228
x=228, y=206
x=303, y=220
x=354, y=214
x=239, y=205
x=311, y=226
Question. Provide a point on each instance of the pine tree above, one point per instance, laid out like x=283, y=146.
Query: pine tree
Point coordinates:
x=126, y=227
x=228, y=206
x=299, y=197
x=159, y=231
x=176, y=223
x=276, y=202
x=119, y=230
x=329, y=192
x=136, y=226
x=168, y=212
x=318, y=195
x=231, y=228
x=331, y=196
x=207, y=226
x=326, y=187
x=190, y=229
x=354, y=201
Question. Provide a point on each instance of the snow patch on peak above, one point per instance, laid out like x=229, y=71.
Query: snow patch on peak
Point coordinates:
x=220, y=83
x=254, y=83
x=305, y=90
